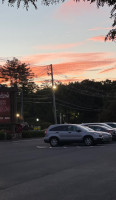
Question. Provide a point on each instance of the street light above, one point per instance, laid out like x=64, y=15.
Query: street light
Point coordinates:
x=37, y=119
x=54, y=87
x=17, y=116
x=37, y=127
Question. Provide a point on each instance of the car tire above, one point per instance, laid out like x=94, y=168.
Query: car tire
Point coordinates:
x=54, y=142
x=88, y=141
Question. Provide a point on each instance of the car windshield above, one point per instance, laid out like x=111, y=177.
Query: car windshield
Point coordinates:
x=102, y=127
x=86, y=128
x=113, y=125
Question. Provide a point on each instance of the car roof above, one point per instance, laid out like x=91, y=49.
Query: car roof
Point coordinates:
x=110, y=122
x=96, y=125
x=84, y=128
x=54, y=125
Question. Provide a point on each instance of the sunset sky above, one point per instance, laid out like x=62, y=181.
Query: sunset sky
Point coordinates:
x=69, y=35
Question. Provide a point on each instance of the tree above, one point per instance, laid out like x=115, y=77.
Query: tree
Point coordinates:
x=100, y=3
x=112, y=3
x=16, y=73
x=108, y=113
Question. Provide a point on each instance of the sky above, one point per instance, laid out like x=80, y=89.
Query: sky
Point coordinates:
x=69, y=35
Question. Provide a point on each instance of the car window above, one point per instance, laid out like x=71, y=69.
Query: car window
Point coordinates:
x=77, y=129
x=71, y=128
x=102, y=129
x=93, y=127
x=55, y=128
x=97, y=128
x=112, y=125
x=59, y=128
x=87, y=128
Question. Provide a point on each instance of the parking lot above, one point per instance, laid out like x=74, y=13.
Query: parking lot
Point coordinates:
x=31, y=169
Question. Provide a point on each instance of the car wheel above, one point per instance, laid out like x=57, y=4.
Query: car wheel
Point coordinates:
x=54, y=142
x=88, y=141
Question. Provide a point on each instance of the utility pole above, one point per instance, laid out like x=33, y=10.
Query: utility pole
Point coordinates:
x=53, y=93
x=60, y=118
x=22, y=115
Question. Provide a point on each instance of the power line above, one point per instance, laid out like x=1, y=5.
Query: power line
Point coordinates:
x=79, y=107
x=38, y=102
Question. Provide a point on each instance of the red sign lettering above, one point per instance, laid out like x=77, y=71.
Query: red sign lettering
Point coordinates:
x=5, y=107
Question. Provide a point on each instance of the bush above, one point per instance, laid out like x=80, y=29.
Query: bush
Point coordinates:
x=32, y=134
x=45, y=125
x=9, y=136
x=2, y=135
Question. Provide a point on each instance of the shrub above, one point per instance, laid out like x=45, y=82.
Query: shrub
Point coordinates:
x=2, y=135
x=9, y=136
x=45, y=125
x=32, y=134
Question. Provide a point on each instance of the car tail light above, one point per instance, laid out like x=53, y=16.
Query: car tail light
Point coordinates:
x=46, y=131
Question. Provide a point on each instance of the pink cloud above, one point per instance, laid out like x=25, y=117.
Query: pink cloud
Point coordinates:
x=69, y=8
x=39, y=59
x=99, y=28
x=98, y=39
x=71, y=66
x=71, y=69
x=57, y=47
x=107, y=70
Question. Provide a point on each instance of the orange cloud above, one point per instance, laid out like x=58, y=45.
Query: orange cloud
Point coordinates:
x=107, y=70
x=57, y=47
x=71, y=8
x=42, y=59
x=69, y=62
x=71, y=71
x=98, y=39
x=99, y=28
x=71, y=66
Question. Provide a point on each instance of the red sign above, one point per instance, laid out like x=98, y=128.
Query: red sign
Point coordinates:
x=5, y=107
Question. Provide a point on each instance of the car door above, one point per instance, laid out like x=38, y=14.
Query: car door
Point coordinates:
x=67, y=133
x=75, y=133
x=62, y=132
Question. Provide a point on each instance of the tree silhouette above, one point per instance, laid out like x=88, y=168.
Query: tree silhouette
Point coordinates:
x=16, y=73
x=100, y=3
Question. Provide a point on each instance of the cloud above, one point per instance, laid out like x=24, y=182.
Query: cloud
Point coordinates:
x=71, y=66
x=57, y=46
x=107, y=70
x=99, y=28
x=77, y=68
x=57, y=58
x=72, y=8
x=98, y=38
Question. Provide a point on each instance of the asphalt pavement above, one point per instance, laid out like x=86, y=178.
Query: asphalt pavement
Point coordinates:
x=32, y=170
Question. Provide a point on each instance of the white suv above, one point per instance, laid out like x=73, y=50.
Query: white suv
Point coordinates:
x=60, y=133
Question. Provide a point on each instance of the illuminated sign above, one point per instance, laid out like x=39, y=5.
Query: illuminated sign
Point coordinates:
x=5, y=112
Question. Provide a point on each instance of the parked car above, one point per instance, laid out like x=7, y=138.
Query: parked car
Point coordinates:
x=96, y=123
x=60, y=133
x=103, y=124
x=106, y=132
x=112, y=124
